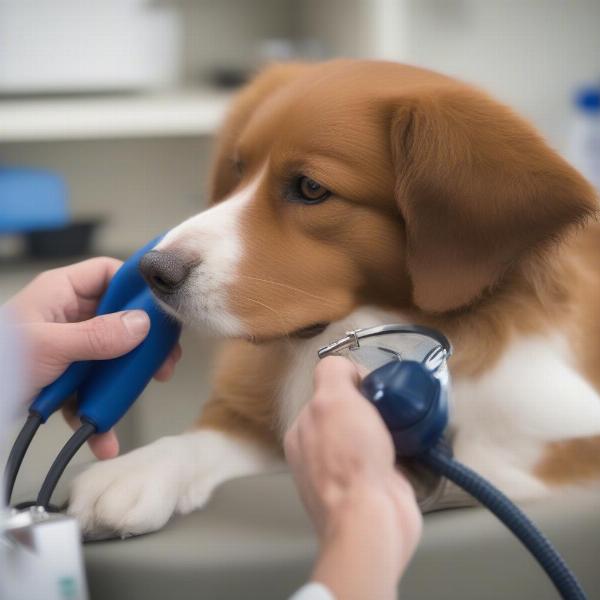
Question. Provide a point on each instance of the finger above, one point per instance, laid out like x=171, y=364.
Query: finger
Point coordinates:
x=334, y=369
x=99, y=338
x=104, y=445
x=65, y=294
x=336, y=376
x=291, y=448
x=89, y=278
x=167, y=369
x=176, y=353
x=290, y=442
x=69, y=411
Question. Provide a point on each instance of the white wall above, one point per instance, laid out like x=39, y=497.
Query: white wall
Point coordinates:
x=227, y=33
x=529, y=53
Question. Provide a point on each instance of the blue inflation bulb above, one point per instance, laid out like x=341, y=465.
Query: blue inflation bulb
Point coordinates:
x=114, y=385
x=411, y=401
x=108, y=388
x=54, y=395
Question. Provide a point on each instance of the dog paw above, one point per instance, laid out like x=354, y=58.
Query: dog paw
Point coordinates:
x=133, y=494
x=140, y=491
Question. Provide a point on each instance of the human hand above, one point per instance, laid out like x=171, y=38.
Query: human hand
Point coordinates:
x=343, y=460
x=55, y=315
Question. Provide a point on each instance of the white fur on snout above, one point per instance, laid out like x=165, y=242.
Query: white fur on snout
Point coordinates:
x=212, y=237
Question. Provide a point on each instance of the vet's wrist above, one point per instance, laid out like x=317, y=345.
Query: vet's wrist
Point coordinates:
x=363, y=534
x=382, y=500
x=377, y=506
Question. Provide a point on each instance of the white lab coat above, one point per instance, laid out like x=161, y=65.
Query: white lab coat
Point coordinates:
x=313, y=591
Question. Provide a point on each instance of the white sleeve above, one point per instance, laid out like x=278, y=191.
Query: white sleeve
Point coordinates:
x=313, y=591
x=12, y=375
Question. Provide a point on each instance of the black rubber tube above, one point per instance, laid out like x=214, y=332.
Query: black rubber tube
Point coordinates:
x=62, y=460
x=17, y=453
x=495, y=501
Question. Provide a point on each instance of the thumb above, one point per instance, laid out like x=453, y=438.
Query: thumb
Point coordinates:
x=104, y=337
x=334, y=374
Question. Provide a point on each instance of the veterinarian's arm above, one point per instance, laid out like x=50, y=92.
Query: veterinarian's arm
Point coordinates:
x=55, y=316
x=363, y=509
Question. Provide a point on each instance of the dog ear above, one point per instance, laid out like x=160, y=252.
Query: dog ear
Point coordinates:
x=477, y=188
x=223, y=178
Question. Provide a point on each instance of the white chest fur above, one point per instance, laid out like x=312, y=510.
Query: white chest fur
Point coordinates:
x=298, y=384
x=502, y=419
x=505, y=418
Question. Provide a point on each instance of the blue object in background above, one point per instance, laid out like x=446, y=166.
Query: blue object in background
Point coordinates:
x=583, y=142
x=32, y=199
x=587, y=99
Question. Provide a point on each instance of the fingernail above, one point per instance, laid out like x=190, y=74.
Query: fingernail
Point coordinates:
x=136, y=322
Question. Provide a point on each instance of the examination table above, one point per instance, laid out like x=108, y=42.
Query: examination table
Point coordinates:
x=253, y=541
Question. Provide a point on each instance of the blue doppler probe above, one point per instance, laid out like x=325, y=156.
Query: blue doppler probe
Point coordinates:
x=411, y=396
x=412, y=404
x=105, y=389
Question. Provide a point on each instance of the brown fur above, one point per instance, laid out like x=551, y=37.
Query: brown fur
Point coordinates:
x=245, y=389
x=571, y=462
x=445, y=205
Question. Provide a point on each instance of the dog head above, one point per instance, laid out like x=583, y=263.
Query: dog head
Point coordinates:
x=348, y=183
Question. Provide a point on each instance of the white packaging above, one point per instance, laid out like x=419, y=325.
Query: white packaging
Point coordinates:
x=49, y=46
x=41, y=557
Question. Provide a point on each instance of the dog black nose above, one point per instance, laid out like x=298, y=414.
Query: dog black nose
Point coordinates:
x=164, y=271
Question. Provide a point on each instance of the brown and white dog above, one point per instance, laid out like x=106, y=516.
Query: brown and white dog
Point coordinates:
x=354, y=193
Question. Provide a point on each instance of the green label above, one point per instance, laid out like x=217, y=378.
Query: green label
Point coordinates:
x=68, y=588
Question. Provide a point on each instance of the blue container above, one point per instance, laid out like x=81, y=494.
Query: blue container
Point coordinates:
x=32, y=199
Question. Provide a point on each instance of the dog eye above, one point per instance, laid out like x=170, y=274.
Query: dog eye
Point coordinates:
x=311, y=191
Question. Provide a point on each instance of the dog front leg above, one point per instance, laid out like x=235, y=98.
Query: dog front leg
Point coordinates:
x=140, y=491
